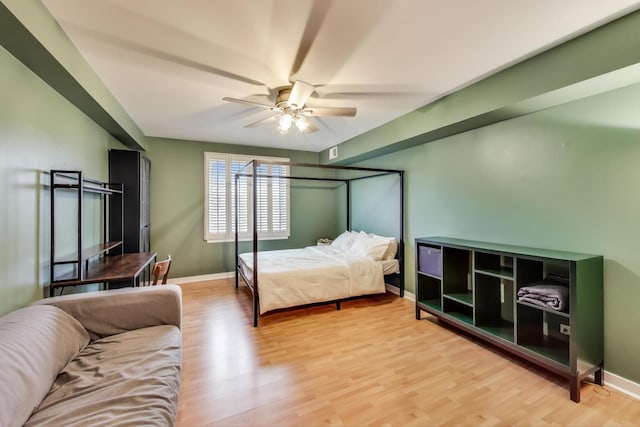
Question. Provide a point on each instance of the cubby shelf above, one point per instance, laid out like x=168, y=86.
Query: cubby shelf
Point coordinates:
x=477, y=291
x=432, y=303
x=503, y=273
x=422, y=273
x=465, y=298
x=548, y=310
x=460, y=316
x=505, y=332
x=550, y=352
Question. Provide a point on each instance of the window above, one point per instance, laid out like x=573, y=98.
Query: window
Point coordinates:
x=272, y=196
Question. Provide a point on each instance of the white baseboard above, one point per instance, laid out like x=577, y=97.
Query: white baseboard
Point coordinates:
x=394, y=290
x=204, y=277
x=410, y=296
x=622, y=385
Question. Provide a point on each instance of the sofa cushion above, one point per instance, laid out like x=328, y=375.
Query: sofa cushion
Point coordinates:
x=128, y=379
x=36, y=342
x=106, y=313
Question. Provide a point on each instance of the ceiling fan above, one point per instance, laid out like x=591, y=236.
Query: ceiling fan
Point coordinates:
x=290, y=109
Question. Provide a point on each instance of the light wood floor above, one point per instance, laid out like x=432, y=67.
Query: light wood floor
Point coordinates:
x=371, y=363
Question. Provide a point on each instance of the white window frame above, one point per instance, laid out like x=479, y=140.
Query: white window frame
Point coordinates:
x=229, y=234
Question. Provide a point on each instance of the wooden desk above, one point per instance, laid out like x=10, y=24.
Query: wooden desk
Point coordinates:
x=109, y=268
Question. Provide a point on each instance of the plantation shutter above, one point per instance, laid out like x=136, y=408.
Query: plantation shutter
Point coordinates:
x=279, y=200
x=217, y=200
x=272, y=198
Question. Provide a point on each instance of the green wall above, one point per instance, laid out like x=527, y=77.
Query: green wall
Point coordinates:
x=177, y=206
x=39, y=130
x=565, y=178
x=375, y=205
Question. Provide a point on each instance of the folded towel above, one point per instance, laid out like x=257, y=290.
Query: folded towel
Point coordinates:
x=545, y=295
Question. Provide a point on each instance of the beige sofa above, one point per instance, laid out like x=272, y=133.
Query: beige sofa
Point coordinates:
x=109, y=358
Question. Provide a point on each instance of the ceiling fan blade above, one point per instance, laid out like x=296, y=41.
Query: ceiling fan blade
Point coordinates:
x=330, y=111
x=350, y=91
x=311, y=129
x=158, y=54
x=369, y=95
x=324, y=58
x=300, y=92
x=263, y=121
x=315, y=20
x=251, y=103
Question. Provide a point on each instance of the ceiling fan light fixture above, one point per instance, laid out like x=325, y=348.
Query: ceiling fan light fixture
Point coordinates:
x=290, y=109
x=301, y=123
x=286, y=120
x=282, y=130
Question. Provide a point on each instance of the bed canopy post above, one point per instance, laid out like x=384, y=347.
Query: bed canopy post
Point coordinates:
x=235, y=202
x=254, y=175
x=349, y=205
x=401, y=237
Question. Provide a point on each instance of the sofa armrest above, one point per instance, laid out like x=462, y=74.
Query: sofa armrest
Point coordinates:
x=105, y=313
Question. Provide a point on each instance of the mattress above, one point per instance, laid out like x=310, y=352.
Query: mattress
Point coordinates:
x=293, y=277
x=390, y=266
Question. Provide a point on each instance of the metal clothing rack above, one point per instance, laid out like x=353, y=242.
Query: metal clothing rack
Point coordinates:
x=73, y=180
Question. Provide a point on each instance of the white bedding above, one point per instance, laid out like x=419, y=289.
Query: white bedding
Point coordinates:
x=293, y=277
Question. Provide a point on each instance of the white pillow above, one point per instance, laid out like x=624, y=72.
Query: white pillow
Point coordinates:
x=344, y=241
x=392, y=250
x=369, y=247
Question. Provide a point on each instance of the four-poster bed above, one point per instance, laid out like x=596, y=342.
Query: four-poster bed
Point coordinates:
x=321, y=274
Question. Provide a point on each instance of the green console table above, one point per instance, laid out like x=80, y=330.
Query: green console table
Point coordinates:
x=475, y=286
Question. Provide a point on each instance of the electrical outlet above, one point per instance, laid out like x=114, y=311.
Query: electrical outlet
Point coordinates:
x=564, y=329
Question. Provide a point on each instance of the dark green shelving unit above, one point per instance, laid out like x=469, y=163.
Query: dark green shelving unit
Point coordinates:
x=474, y=286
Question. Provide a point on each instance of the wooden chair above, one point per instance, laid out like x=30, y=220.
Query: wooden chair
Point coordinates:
x=161, y=271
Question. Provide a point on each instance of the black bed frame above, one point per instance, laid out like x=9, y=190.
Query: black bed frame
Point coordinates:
x=397, y=280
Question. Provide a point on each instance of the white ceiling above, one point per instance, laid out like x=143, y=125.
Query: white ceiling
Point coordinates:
x=170, y=63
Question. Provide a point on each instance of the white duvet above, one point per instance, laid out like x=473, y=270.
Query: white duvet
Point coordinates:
x=293, y=277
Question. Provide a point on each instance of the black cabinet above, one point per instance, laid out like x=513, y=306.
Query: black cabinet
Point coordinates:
x=133, y=170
